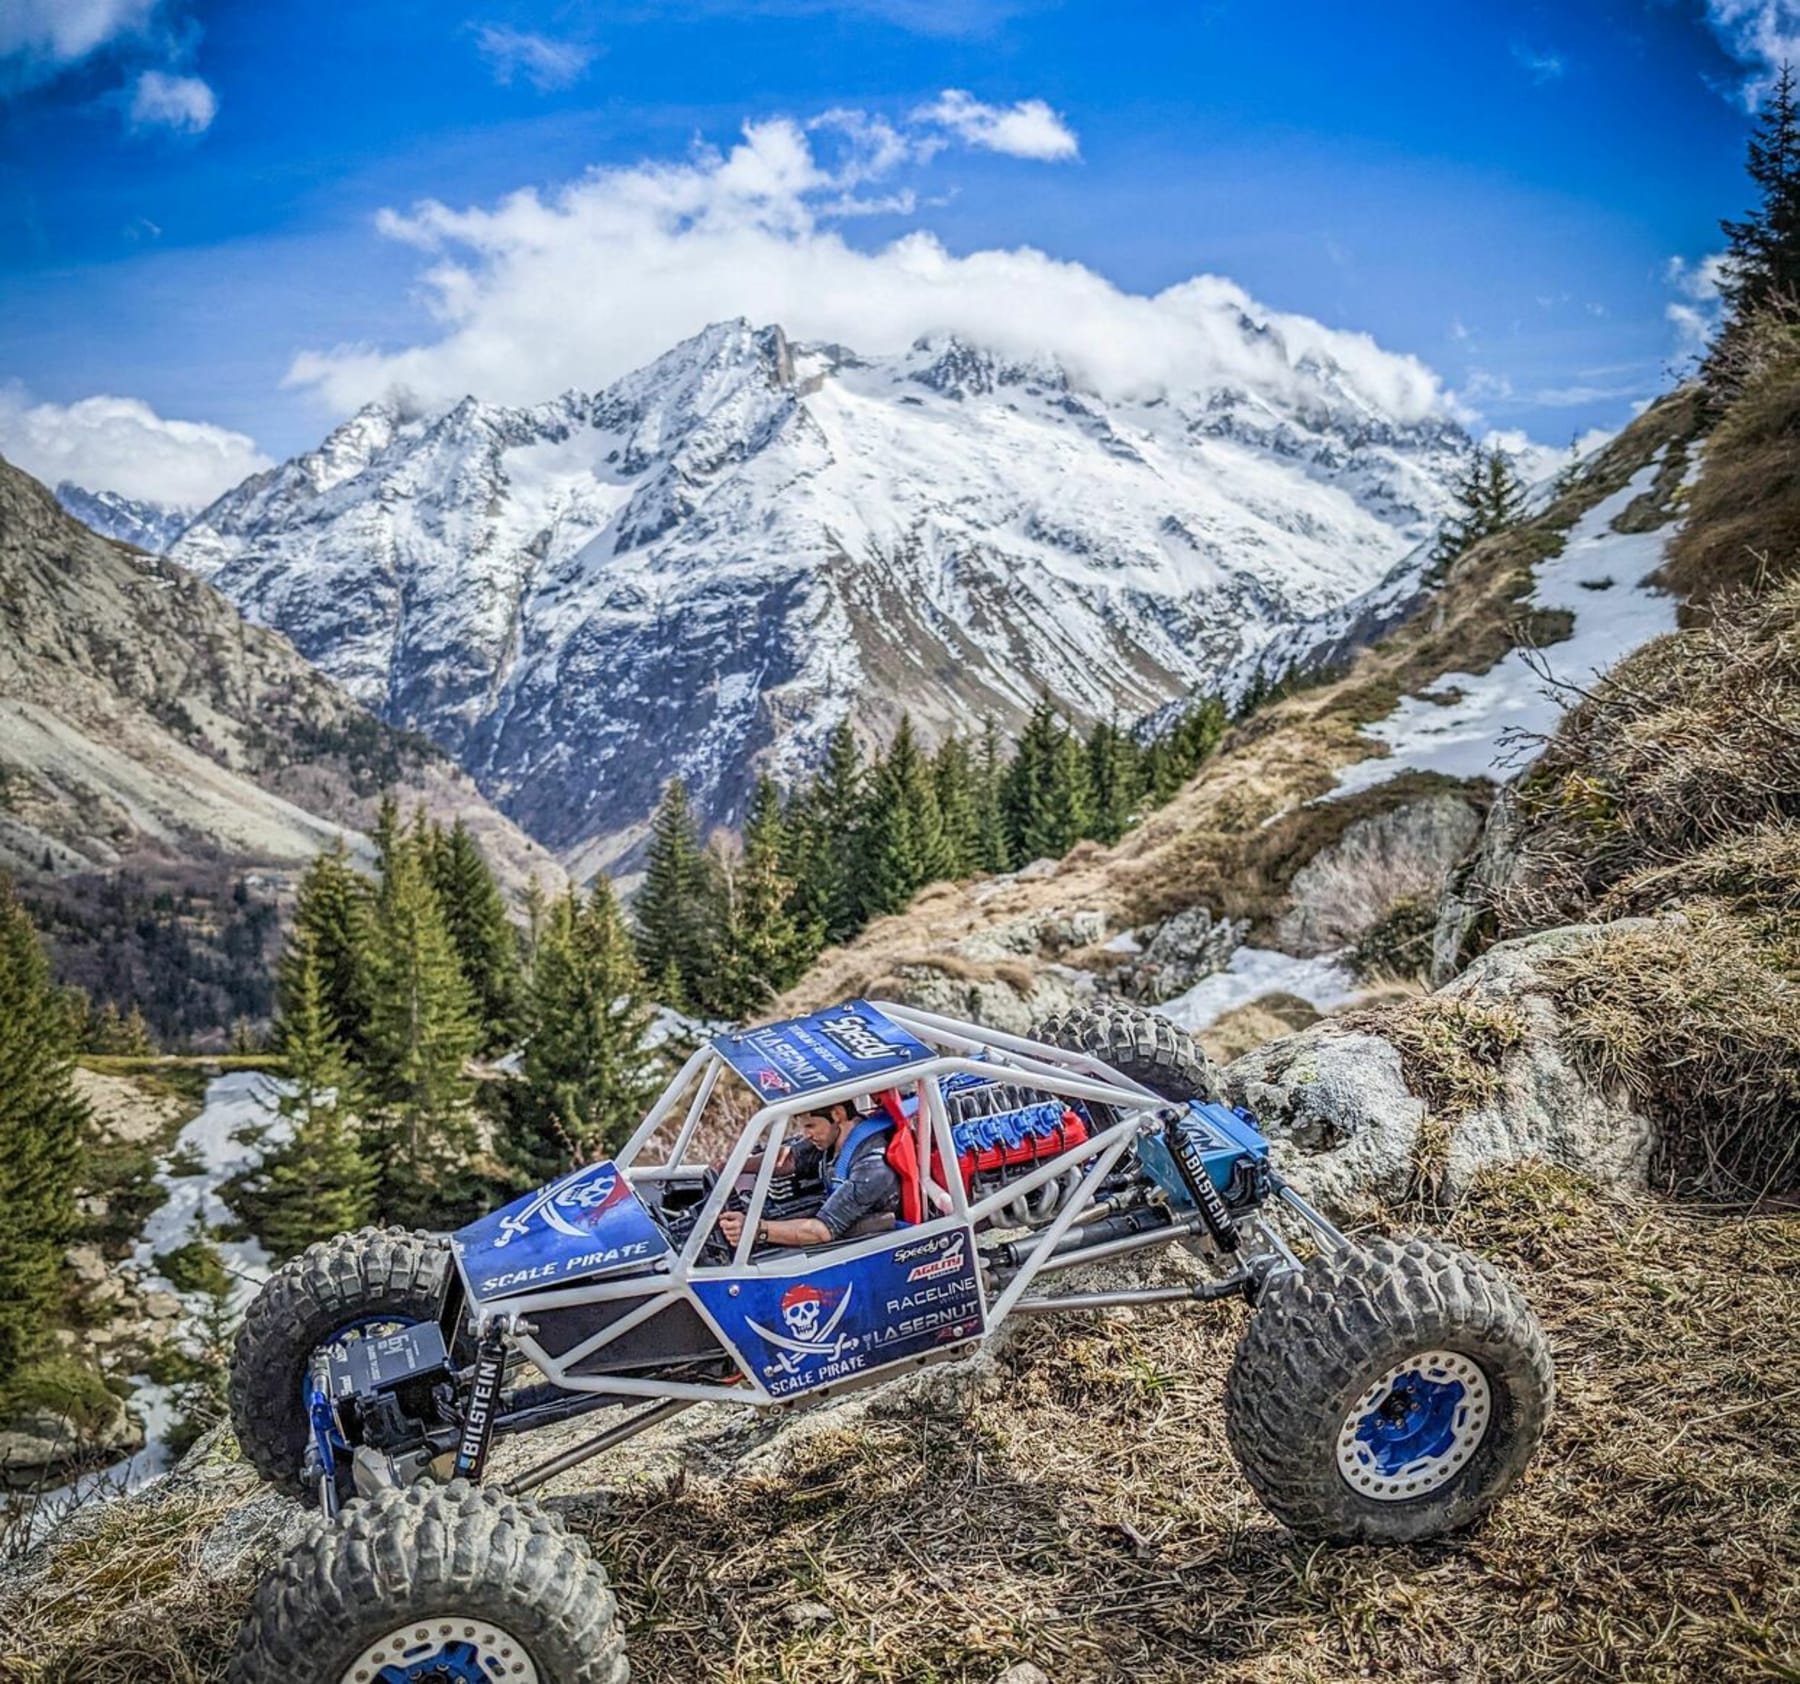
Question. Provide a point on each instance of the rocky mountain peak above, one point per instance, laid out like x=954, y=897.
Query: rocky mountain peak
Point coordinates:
x=704, y=566
x=130, y=520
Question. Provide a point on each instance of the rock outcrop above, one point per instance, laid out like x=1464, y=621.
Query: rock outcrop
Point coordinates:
x=1347, y=1108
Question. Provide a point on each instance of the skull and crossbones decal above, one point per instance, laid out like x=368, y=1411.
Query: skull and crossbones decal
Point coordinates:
x=810, y=1315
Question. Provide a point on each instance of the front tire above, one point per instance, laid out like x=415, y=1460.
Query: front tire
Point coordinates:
x=1389, y=1393
x=372, y=1277
x=441, y=1582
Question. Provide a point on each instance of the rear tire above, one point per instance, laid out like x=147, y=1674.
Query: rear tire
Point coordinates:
x=456, y=1581
x=1389, y=1393
x=373, y=1275
x=1140, y=1044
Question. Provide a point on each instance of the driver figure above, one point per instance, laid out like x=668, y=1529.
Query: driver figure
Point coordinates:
x=849, y=1155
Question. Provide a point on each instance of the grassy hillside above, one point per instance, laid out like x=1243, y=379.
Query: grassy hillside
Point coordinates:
x=1076, y=1506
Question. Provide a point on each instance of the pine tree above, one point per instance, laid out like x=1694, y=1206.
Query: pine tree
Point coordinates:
x=1113, y=771
x=333, y=918
x=1195, y=735
x=768, y=948
x=1025, y=787
x=1071, y=811
x=115, y=1034
x=537, y=911
x=1503, y=493
x=1462, y=526
x=1489, y=498
x=837, y=808
x=320, y=1181
x=904, y=847
x=954, y=781
x=486, y=945
x=671, y=907
x=41, y=1119
x=422, y=1032
x=993, y=852
x=386, y=833
x=1762, y=261
x=1158, y=768
x=586, y=1077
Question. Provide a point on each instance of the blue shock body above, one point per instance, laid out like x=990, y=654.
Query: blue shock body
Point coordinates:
x=1223, y=1138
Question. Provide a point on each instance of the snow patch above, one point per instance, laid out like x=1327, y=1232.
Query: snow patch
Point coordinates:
x=1471, y=735
x=1252, y=972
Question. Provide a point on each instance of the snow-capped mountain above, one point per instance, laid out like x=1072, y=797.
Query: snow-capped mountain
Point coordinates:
x=703, y=567
x=145, y=525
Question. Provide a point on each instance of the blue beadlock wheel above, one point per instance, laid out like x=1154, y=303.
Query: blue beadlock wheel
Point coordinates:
x=1411, y=1430
x=1388, y=1392
x=444, y=1651
x=434, y=1584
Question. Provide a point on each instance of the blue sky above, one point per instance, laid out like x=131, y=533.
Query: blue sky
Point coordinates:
x=207, y=211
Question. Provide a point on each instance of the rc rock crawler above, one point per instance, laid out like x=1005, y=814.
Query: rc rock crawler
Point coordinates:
x=1382, y=1391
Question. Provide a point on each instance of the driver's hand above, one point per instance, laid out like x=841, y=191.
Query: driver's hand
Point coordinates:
x=731, y=1225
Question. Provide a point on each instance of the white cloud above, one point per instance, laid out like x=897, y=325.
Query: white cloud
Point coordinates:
x=1029, y=129
x=1536, y=462
x=1483, y=385
x=545, y=63
x=1544, y=66
x=183, y=103
x=1699, y=281
x=1582, y=392
x=1696, y=313
x=542, y=292
x=123, y=445
x=1760, y=34
x=59, y=32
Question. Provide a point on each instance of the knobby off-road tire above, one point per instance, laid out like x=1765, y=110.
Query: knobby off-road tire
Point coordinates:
x=454, y=1576
x=1319, y=1418
x=372, y=1274
x=1138, y=1043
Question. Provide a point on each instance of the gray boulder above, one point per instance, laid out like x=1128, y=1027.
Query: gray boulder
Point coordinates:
x=1349, y=1133
x=1180, y=951
x=1405, y=853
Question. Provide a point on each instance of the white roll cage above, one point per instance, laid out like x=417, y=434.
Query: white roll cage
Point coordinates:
x=958, y=1048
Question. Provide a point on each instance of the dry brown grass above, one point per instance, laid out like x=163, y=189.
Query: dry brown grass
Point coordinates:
x=1697, y=1019
x=1084, y=1512
x=1451, y=1054
x=1743, y=518
x=1451, y=1049
x=1689, y=745
x=125, y=1601
x=1262, y=1020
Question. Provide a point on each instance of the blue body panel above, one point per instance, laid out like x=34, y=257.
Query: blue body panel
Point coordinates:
x=820, y=1323
x=804, y=1054
x=588, y=1223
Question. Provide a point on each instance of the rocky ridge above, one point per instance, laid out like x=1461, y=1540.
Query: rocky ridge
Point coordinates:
x=141, y=717
x=704, y=567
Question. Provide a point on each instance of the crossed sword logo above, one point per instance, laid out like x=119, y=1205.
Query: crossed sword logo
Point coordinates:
x=822, y=1345
x=557, y=1193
